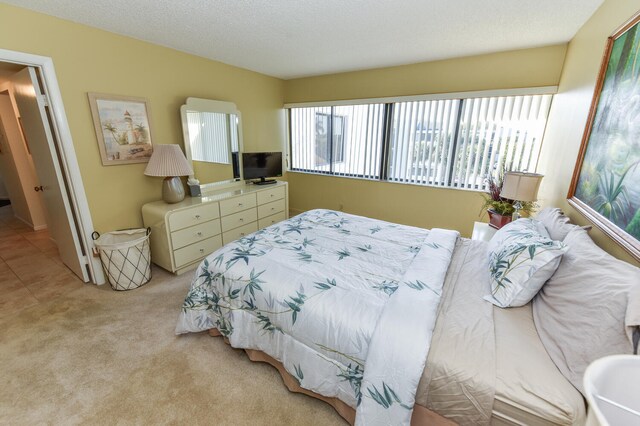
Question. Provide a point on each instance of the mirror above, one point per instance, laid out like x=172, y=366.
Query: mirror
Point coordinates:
x=213, y=140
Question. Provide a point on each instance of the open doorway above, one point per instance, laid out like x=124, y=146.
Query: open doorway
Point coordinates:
x=38, y=165
x=18, y=172
x=30, y=262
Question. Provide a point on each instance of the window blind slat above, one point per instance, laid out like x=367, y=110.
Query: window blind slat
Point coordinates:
x=481, y=144
x=489, y=149
x=461, y=157
x=448, y=143
x=504, y=134
x=473, y=141
x=426, y=144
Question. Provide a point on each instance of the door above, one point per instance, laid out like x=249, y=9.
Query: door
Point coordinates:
x=38, y=132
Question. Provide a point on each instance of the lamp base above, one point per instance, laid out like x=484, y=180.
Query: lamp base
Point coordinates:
x=516, y=213
x=172, y=190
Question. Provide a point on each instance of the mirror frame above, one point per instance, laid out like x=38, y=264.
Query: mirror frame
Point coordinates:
x=210, y=105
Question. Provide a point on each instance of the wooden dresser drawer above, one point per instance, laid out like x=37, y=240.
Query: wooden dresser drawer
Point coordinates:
x=193, y=216
x=271, y=208
x=234, y=234
x=270, y=195
x=196, y=233
x=270, y=220
x=237, y=204
x=239, y=219
x=197, y=251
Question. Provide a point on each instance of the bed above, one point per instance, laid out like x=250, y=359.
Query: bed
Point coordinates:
x=385, y=322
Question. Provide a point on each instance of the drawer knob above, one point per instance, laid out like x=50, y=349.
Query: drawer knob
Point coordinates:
x=271, y=195
x=199, y=234
x=242, y=234
x=239, y=204
x=197, y=216
x=273, y=208
x=201, y=250
x=241, y=220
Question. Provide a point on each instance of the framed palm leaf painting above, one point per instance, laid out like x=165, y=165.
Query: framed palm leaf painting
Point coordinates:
x=606, y=179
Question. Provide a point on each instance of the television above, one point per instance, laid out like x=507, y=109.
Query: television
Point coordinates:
x=261, y=165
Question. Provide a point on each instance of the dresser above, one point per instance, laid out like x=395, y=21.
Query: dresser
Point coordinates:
x=182, y=234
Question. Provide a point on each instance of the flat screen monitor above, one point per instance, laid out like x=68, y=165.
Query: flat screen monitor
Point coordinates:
x=261, y=165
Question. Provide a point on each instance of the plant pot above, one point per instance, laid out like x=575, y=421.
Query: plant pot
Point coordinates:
x=497, y=220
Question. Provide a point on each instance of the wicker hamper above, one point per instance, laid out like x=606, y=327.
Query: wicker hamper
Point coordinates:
x=125, y=257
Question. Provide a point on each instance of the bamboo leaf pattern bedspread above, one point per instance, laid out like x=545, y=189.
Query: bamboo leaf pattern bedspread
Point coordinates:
x=346, y=303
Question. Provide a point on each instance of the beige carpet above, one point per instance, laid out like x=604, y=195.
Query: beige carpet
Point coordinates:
x=98, y=356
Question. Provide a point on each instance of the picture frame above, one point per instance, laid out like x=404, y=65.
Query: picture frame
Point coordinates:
x=605, y=186
x=123, y=128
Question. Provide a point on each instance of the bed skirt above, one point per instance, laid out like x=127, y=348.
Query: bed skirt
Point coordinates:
x=421, y=416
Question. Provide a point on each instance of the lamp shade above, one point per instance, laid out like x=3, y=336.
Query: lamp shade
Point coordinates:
x=521, y=186
x=168, y=160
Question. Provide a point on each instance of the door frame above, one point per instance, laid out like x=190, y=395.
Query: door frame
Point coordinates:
x=68, y=159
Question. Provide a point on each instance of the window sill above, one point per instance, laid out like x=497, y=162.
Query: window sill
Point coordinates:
x=377, y=181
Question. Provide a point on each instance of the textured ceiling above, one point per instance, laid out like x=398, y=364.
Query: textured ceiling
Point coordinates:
x=296, y=38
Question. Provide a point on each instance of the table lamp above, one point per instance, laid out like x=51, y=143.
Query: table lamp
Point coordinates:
x=169, y=162
x=520, y=186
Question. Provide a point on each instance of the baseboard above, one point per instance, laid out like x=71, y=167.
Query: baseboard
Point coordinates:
x=31, y=225
x=26, y=222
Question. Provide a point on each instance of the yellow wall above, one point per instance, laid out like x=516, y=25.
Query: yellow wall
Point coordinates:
x=506, y=70
x=410, y=204
x=571, y=107
x=92, y=60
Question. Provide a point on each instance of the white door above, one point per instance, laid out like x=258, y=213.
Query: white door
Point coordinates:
x=37, y=129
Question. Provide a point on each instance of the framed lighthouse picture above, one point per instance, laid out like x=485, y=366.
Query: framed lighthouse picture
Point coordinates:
x=122, y=127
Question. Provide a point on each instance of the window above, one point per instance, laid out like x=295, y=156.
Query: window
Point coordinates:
x=422, y=140
x=453, y=142
x=340, y=140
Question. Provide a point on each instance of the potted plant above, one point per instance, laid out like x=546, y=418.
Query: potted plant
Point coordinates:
x=500, y=209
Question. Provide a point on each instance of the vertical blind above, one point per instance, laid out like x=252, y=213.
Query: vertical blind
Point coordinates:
x=447, y=142
x=422, y=141
x=210, y=134
x=498, y=133
x=341, y=140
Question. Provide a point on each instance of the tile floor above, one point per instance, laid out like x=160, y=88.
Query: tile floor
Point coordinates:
x=30, y=268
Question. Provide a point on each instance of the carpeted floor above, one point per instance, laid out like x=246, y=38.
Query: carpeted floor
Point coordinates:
x=98, y=356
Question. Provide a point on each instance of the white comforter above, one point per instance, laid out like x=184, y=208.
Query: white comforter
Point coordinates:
x=347, y=304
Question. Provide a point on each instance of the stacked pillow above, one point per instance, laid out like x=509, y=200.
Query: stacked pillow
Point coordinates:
x=556, y=223
x=522, y=257
x=590, y=305
x=589, y=308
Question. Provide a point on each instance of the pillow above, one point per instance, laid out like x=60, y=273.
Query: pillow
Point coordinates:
x=522, y=257
x=580, y=313
x=557, y=224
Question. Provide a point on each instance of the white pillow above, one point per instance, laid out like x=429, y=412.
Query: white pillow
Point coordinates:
x=522, y=258
x=557, y=224
x=580, y=313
